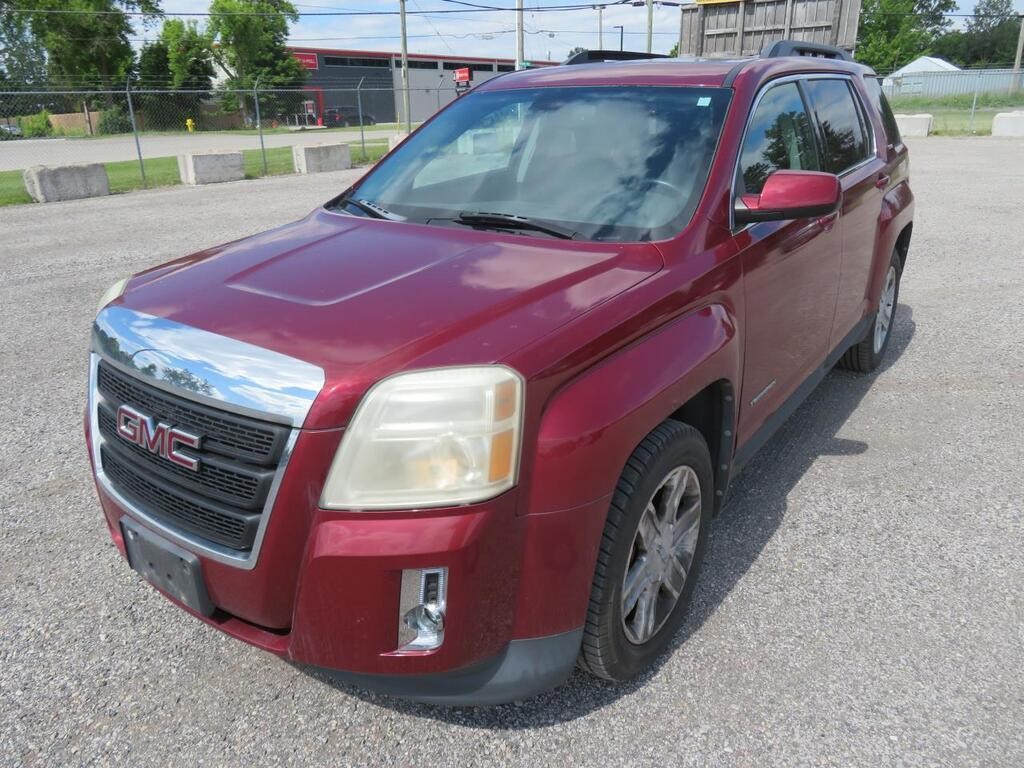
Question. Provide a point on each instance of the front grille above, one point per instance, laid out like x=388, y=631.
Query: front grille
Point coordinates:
x=234, y=436
x=224, y=499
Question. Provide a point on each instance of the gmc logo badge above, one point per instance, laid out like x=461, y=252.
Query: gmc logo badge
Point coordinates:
x=157, y=437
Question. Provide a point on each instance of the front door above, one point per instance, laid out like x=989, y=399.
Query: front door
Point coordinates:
x=791, y=268
x=847, y=151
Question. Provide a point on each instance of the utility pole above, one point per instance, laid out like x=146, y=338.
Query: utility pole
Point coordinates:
x=621, y=33
x=600, y=28
x=650, y=24
x=1016, y=59
x=520, y=50
x=405, y=71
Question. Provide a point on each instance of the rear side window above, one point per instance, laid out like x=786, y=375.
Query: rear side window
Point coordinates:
x=892, y=131
x=779, y=137
x=844, y=139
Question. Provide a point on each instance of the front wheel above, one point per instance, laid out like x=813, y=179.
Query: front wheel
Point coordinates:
x=651, y=550
x=867, y=354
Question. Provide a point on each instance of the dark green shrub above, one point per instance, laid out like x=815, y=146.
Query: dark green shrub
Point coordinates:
x=115, y=119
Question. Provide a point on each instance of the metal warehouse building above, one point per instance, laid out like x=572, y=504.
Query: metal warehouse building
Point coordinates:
x=334, y=76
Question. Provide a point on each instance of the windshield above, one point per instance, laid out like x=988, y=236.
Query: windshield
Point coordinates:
x=606, y=162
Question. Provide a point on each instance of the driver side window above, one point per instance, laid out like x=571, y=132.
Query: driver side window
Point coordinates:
x=779, y=137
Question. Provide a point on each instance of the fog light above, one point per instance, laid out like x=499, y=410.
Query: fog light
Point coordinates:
x=421, y=609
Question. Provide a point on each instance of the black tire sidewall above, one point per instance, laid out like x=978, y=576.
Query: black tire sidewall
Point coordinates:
x=626, y=658
x=877, y=357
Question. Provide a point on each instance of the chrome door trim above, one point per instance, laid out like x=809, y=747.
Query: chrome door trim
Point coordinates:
x=206, y=367
x=244, y=560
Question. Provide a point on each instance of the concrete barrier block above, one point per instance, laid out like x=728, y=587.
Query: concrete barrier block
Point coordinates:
x=914, y=125
x=398, y=138
x=1008, y=124
x=317, y=158
x=66, y=182
x=211, y=167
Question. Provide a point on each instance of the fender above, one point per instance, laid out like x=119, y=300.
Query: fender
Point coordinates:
x=591, y=426
x=897, y=212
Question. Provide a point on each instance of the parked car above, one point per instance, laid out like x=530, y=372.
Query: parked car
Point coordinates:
x=10, y=131
x=346, y=116
x=468, y=424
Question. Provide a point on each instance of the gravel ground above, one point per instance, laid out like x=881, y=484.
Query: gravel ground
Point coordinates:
x=861, y=600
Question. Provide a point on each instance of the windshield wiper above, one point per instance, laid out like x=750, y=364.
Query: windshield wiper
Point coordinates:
x=371, y=209
x=511, y=221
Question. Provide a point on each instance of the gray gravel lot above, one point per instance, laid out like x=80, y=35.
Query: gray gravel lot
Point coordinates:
x=861, y=602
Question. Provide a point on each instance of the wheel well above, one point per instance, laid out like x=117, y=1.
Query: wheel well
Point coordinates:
x=711, y=413
x=903, y=244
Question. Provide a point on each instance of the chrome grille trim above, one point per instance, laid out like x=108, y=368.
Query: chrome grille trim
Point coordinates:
x=244, y=560
x=219, y=371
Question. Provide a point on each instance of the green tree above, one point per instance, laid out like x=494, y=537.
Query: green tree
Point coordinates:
x=251, y=47
x=154, y=70
x=189, y=55
x=990, y=38
x=87, y=49
x=895, y=32
x=22, y=59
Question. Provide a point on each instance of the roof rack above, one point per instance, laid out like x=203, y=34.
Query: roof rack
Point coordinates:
x=589, y=57
x=801, y=48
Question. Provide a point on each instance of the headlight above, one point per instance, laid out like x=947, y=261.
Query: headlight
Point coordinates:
x=430, y=439
x=112, y=293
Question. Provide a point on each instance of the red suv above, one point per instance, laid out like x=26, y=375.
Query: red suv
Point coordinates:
x=466, y=426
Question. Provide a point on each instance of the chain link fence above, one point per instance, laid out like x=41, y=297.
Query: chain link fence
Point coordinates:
x=960, y=101
x=139, y=133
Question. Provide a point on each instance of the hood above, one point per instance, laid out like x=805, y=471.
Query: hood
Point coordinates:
x=364, y=298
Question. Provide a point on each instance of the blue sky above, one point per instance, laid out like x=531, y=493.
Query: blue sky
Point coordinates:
x=548, y=34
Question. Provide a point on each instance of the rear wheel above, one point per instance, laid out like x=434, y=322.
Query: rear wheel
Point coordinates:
x=651, y=550
x=867, y=354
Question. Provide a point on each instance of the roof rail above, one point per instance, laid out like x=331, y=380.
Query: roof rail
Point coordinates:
x=589, y=57
x=801, y=48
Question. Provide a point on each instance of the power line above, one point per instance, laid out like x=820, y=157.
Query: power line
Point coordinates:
x=304, y=14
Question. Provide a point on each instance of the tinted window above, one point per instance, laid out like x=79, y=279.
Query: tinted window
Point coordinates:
x=892, y=131
x=779, y=137
x=545, y=153
x=844, y=143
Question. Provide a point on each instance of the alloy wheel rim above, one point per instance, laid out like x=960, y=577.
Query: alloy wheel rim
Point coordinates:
x=883, y=319
x=661, y=555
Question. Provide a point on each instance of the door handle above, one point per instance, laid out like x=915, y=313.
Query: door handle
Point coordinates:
x=827, y=222
x=882, y=181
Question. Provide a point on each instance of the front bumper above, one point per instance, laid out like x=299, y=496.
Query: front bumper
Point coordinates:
x=517, y=591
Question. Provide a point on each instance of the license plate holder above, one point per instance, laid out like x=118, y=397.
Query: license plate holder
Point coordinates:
x=166, y=566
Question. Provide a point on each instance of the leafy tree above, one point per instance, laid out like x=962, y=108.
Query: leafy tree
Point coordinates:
x=895, y=32
x=189, y=55
x=179, y=59
x=674, y=50
x=87, y=49
x=22, y=59
x=251, y=47
x=989, y=15
x=154, y=70
x=990, y=38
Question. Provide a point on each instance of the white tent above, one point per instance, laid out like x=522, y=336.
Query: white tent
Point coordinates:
x=922, y=65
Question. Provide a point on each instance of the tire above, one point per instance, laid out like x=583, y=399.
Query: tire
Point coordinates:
x=617, y=642
x=867, y=354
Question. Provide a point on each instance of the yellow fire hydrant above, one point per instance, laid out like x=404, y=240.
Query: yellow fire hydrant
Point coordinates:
x=190, y=124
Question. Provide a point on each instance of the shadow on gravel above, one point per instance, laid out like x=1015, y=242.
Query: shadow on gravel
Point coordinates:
x=752, y=513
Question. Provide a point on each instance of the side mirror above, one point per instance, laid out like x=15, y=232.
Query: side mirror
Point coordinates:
x=790, y=195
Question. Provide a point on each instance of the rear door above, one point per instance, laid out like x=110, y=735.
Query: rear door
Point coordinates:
x=791, y=268
x=848, y=150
